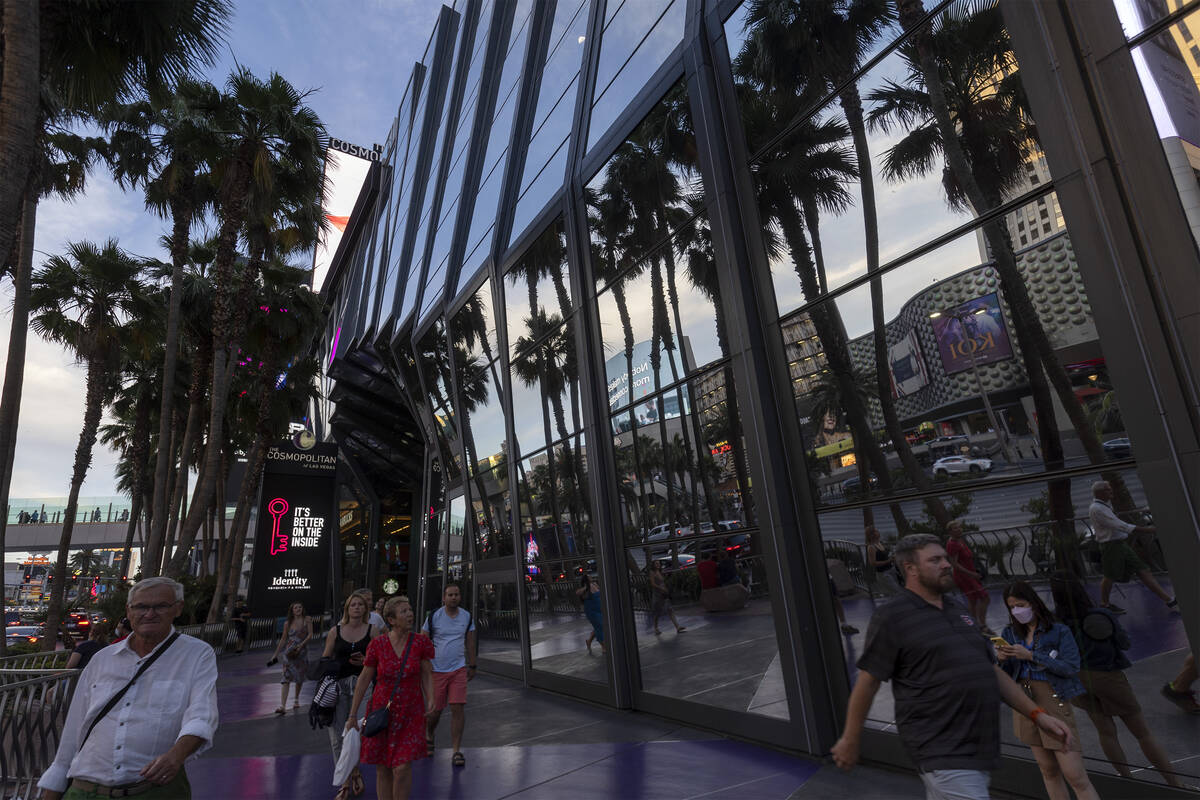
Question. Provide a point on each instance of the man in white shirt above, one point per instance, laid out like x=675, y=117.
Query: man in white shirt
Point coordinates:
x=167, y=716
x=453, y=634
x=1118, y=562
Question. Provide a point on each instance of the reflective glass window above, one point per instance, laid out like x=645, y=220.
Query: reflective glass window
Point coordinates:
x=498, y=621
x=636, y=40
x=564, y=602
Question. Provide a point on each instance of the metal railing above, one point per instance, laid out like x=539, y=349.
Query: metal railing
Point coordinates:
x=1019, y=552
x=33, y=708
x=54, y=659
x=261, y=633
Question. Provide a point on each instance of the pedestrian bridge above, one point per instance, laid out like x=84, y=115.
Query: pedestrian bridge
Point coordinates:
x=34, y=537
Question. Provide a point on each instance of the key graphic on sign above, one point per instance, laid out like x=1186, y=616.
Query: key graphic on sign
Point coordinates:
x=277, y=508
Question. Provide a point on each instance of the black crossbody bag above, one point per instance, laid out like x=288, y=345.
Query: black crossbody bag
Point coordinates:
x=116, y=698
x=377, y=721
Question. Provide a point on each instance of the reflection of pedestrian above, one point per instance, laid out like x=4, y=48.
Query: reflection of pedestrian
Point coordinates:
x=241, y=616
x=880, y=564
x=1118, y=562
x=589, y=594
x=660, y=599
x=1102, y=644
x=947, y=689
x=1179, y=691
x=966, y=577
x=43, y=516
x=1042, y=656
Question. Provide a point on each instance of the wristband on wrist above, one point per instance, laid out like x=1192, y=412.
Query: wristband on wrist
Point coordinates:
x=1033, y=715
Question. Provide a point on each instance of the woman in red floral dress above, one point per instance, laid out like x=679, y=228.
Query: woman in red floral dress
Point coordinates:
x=393, y=751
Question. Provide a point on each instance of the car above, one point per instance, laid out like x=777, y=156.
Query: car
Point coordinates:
x=638, y=554
x=1118, y=448
x=853, y=484
x=955, y=465
x=12, y=618
x=22, y=634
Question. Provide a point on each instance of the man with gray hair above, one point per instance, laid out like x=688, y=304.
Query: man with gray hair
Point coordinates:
x=944, y=678
x=1118, y=562
x=141, y=709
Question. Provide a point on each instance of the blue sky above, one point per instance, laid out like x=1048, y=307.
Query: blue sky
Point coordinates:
x=357, y=54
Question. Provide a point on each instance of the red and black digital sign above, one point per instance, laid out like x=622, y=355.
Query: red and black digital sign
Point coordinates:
x=296, y=525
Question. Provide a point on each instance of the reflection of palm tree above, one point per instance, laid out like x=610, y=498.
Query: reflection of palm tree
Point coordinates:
x=824, y=42
x=963, y=99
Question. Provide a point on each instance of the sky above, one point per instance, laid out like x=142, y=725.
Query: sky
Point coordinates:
x=355, y=54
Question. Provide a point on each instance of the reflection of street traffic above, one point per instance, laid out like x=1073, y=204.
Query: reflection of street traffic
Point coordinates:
x=959, y=465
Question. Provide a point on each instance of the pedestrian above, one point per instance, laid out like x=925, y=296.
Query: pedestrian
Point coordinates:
x=452, y=632
x=727, y=573
x=241, y=622
x=881, y=566
x=1041, y=655
x=1179, y=691
x=946, y=685
x=1118, y=562
x=141, y=709
x=83, y=652
x=297, y=631
x=347, y=643
x=706, y=568
x=23, y=518
x=966, y=576
x=376, y=608
x=122, y=631
x=660, y=599
x=589, y=594
x=1107, y=696
x=399, y=665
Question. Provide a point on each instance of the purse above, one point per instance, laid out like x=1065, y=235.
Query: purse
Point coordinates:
x=377, y=721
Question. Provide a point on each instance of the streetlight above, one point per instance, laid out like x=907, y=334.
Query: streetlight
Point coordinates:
x=1001, y=435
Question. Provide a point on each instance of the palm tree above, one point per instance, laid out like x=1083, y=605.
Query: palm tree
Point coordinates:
x=70, y=58
x=164, y=142
x=273, y=142
x=85, y=561
x=82, y=301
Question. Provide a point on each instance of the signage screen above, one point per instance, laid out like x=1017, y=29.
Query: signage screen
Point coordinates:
x=296, y=524
x=972, y=334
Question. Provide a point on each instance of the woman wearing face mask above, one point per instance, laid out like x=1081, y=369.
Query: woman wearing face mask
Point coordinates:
x=1041, y=655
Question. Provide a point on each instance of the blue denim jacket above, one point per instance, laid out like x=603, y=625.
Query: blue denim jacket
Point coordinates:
x=1055, y=660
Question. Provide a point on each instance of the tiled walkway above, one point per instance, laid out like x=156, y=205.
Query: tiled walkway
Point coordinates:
x=520, y=743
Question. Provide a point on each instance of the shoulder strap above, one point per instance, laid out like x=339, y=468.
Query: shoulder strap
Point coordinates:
x=116, y=698
x=403, y=663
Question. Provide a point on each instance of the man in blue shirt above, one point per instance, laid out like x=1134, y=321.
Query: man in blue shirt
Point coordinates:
x=453, y=634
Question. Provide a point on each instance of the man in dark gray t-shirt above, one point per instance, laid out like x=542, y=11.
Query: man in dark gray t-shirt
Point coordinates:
x=946, y=686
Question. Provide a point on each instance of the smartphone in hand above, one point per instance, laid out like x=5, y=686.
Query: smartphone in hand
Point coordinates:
x=273, y=662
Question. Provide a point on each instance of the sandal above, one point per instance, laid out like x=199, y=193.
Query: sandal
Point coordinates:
x=459, y=760
x=429, y=747
x=280, y=710
x=343, y=793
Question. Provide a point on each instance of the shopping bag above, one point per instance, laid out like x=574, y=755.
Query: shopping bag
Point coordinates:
x=348, y=760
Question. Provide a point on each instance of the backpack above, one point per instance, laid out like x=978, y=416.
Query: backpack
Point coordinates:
x=429, y=623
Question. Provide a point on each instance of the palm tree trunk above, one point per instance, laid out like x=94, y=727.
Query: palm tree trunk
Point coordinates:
x=126, y=553
x=181, y=213
x=191, y=432
x=826, y=320
x=224, y=547
x=20, y=79
x=83, y=459
x=14, y=370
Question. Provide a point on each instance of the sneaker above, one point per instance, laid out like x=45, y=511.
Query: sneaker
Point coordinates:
x=1185, y=700
x=1114, y=608
x=1173, y=603
x=849, y=629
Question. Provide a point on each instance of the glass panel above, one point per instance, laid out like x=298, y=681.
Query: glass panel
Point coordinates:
x=636, y=41
x=545, y=180
x=566, y=619
x=434, y=362
x=395, y=539
x=825, y=225
x=474, y=328
x=498, y=622
x=482, y=416
x=684, y=330
x=1010, y=534
x=554, y=505
x=715, y=588
x=354, y=535
x=434, y=539
x=490, y=504
x=549, y=369
x=456, y=541
x=1137, y=15
x=686, y=473
x=1169, y=69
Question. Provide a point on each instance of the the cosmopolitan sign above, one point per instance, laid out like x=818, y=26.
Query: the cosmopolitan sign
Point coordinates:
x=296, y=524
x=357, y=150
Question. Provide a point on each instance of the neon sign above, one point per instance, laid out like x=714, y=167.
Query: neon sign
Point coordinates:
x=279, y=541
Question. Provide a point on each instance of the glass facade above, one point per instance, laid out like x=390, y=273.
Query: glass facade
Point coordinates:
x=677, y=304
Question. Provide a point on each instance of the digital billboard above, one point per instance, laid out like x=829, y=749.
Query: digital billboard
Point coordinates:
x=296, y=525
x=972, y=334
x=628, y=384
x=906, y=366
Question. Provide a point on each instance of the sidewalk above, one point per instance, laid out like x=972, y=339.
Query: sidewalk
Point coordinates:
x=521, y=743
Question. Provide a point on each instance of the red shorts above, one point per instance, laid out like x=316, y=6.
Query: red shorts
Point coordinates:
x=449, y=687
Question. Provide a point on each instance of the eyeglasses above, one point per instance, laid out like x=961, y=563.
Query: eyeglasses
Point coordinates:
x=158, y=608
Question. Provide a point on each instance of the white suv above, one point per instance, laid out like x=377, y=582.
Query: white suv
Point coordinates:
x=953, y=465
